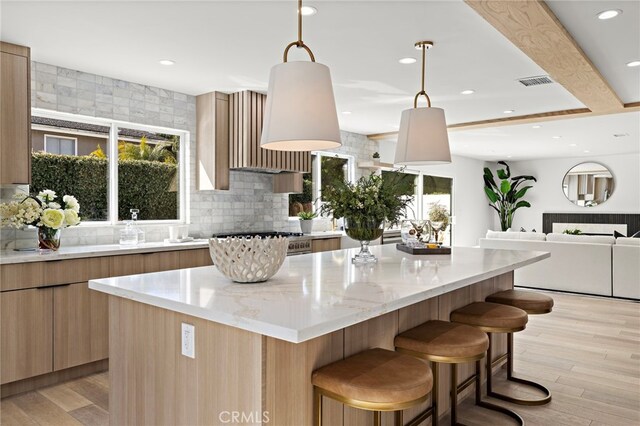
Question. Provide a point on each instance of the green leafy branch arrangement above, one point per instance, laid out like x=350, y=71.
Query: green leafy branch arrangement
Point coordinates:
x=504, y=197
x=371, y=198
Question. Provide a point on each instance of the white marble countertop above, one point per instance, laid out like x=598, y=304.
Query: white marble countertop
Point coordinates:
x=76, y=252
x=315, y=294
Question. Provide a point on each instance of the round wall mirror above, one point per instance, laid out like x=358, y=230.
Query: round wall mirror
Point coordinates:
x=588, y=184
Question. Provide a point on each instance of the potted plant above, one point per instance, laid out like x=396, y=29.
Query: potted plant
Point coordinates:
x=504, y=196
x=376, y=157
x=306, y=221
x=439, y=218
x=43, y=212
x=366, y=205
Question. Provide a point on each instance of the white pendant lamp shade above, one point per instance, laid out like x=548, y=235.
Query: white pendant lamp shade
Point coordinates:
x=300, y=113
x=423, y=137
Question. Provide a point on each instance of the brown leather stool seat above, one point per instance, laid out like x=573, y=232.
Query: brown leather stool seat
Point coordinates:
x=529, y=301
x=451, y=343
x=444, y=341
x=376, y=380
x=491, y=317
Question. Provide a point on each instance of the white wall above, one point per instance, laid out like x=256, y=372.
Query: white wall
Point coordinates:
x=472, y=214
x=547, y=196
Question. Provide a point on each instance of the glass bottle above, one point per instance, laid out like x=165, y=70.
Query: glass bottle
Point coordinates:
x=134, y=218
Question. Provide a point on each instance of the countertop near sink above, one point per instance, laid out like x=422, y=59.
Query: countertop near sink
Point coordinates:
x=75, y=252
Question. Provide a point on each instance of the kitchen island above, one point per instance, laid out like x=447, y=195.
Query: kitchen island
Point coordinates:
x=257, y=344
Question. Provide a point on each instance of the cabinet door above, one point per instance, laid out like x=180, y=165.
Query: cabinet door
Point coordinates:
x=326, y=244
x=26, y=333
x=195, y=258
x=15, y=126
x=80, y=325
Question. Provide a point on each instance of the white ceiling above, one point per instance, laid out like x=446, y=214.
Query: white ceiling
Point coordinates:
x=229, y=46
x=593, y=134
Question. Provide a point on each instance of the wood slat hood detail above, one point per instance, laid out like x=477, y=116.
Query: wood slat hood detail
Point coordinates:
x=246, y=114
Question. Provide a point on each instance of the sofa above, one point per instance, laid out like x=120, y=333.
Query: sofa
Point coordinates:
x=579, y=264
x=626, y=268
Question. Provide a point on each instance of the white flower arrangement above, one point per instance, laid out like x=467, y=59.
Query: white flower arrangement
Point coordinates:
x=40, y=211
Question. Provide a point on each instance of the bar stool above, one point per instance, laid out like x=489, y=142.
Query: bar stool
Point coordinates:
x=533, y=304
x=496, y=318
x=450, y=343
x=375, y=380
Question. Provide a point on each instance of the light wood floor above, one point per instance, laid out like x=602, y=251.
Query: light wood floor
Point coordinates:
x=587, y=352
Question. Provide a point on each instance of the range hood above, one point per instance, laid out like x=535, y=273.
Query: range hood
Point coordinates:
x=229, y=128
x=246, y=114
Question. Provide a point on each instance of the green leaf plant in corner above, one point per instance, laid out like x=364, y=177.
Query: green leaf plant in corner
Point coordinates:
x=504, y=196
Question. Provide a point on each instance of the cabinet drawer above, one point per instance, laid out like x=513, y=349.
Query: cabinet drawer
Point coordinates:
x=75, y=270
x=26, y=343
x=327, y=244
x=126, y=265
x=161, y=261
x=21, y=275
x=195, y=258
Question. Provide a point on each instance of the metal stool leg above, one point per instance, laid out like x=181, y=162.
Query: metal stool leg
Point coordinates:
x=488, y=405
x=377, y=418
x=398, y=418
x=317, y=407
x=509, y=357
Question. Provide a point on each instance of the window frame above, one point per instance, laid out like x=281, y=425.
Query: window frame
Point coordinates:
x=453, y=200
x=75, y=143
x=316, y=172
x=112, y=177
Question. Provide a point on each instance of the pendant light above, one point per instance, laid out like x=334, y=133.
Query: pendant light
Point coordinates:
x=423, y=138
x=300, y=112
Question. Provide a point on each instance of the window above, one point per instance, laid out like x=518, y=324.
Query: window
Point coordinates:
x=60, y=145
x=114, y=166
x=408, y=186
x=327, y=168
x=437, y=204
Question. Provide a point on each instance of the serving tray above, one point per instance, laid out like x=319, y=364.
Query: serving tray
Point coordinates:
x=423, y=250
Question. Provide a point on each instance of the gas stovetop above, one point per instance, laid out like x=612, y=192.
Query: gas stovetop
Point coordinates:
x=263, y=234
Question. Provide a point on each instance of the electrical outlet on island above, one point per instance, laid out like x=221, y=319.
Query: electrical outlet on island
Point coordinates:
x=188, y=340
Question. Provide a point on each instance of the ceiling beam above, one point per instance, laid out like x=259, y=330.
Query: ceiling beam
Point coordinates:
x=532, y=27
x=522, y=119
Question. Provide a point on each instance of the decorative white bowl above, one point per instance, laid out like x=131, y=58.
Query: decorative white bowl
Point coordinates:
x=248, y=260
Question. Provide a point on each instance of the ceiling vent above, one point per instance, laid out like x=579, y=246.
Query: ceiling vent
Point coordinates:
x=535, y=81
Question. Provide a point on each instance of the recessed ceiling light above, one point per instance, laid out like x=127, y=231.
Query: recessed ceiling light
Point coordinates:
x=509, y=156
x=407, y=61
x=556, y=137
x=346, y=112
x=509, y=111
x=573, y=144
x=586, y=151
x=608, y=14
x=633, y=64
x=467, y=92
x=537, y=126
x=166, y=62
x=308, y=10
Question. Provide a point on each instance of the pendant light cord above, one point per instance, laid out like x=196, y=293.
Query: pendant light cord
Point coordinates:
x=300, y=44
x=422, y=91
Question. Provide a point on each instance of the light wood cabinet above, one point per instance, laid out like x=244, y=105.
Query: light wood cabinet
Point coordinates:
x=21, y=275
x=15, y=120
x=80, y=325
x=161, y=261
x=288, y=183
x=195, y=258
x=26, y=343
x=325, y=244
x=212, y=141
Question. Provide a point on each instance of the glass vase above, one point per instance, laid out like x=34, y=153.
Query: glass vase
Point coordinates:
x=48, y=238
x=364, y=231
